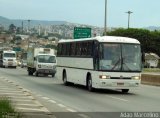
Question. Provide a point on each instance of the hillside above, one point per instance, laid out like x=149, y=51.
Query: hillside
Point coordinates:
x=18, y=22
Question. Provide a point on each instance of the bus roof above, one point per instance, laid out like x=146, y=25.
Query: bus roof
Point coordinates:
x=114, y=39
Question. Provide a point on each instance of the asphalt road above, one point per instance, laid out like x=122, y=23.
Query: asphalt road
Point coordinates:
x=59, y=98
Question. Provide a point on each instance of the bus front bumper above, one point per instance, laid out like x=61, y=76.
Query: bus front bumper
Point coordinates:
x=118, y=84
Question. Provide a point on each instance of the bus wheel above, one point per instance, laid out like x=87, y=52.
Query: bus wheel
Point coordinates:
x=125, y=90
x=65, y=78
x=89, y=84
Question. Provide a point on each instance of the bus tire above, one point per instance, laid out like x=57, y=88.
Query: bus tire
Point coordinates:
x=125, y=90
x=89, y=84
x=65, y=78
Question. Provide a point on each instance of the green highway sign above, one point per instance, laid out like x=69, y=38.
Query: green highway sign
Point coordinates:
x=82, y=32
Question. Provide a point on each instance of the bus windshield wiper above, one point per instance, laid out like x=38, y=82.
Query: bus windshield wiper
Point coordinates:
x=123, y=63
x=116, y=64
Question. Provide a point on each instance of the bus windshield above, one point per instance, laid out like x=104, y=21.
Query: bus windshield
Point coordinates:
x=46, y=59
x=9, y=55
x=120, y=57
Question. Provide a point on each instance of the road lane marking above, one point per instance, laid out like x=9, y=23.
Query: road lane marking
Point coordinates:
x=71, y=110
x=22, y=108
x=45, y=98
x=118, y=98
x=61, y=105
x=20, y=100
x=35, y=105
x=83, y=116
x=9, y=93
x=52, y=101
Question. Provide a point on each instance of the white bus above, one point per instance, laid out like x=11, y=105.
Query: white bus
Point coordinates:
x=106, y=62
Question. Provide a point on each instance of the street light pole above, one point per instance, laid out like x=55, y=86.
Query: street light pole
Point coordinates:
x=105, y=19
x=29, y=33
x=29, y=25
x=129, y=12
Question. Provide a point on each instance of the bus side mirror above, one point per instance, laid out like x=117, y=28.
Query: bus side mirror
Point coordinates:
x=34, y=58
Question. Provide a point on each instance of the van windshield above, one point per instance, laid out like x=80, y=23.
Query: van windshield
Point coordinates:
x=46, y=59
x=9, y=55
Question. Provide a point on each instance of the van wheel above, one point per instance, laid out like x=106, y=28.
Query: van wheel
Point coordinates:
x=125, y=90
x=30, y=73
x=65, y=78
x=89, y=84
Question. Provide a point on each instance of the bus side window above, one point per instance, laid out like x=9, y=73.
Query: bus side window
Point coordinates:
x=95, y=55
x=72, y=49
x=78, y=49
x=89, y=48
x=67, y=49
x=84, y=49
x=59, y=49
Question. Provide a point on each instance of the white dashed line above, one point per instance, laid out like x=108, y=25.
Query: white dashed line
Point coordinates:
x=52, y=101
x=118, y=98
x=71, y=110
x=45, y=98
x=61, y=105
x=83, y=116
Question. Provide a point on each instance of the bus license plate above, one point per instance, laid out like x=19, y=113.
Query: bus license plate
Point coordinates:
x=120, y=84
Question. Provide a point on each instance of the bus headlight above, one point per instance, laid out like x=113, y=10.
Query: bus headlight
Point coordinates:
x=104, y=76
x=136, y=77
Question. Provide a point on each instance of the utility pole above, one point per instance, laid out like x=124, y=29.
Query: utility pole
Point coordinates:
x=105, y=19
x=28, y=32
x=29, y=26
x=22, y=27
x=129, y=12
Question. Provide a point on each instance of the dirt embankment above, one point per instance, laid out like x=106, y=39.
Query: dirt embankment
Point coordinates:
x=150, y=79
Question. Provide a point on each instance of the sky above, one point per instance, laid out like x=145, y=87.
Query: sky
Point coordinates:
x=90, y=12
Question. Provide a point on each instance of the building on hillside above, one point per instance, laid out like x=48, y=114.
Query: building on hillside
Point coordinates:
x=151, y=60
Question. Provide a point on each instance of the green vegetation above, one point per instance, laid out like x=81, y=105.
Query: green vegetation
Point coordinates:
x=149, y=39
x=151, y=70
x=6, y=109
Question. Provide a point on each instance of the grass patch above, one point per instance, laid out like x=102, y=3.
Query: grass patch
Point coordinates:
x=6, y=109
x=151, y=69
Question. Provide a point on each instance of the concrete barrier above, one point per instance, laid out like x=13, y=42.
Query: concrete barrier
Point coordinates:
x=150, y=79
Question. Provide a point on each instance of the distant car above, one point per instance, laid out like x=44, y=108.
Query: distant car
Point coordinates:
x=18, y=62
x=23, y=63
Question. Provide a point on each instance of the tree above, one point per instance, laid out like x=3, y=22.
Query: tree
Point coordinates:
x=12, y=28
x=150, y=40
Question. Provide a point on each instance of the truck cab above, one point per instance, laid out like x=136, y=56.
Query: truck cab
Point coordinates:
x=8, y=58
x=41, y=61
x=45, y=64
